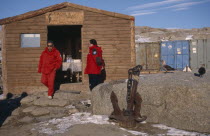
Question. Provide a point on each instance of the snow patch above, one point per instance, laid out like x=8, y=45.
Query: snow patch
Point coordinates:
x=141, y=39
x=61, y=125
x=85, y=102
x=134, y=132
x=163, y=39
x=176, y=132
x=70, y=107
x=189, y=37
x=157, y=32
x=56, y=126
x=143, y=122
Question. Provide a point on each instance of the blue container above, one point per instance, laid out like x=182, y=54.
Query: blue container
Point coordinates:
x=175, y=54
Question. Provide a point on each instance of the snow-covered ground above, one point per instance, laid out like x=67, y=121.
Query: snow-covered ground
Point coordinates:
x=141, y=39
x=147, y=34
x=62, y=125
x=157, y=32
x=177, y=132
x=58, y=126
x=135, y=132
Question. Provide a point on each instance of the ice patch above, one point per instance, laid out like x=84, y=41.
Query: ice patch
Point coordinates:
x=177, y=132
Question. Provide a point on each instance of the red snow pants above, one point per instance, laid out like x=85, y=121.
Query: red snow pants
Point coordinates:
x=48, y=80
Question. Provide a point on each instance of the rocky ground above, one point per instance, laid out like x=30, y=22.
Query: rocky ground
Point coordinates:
x=149, y=34
x=69, y=114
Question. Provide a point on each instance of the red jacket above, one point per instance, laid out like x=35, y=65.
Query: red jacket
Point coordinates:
x=49, y=61
x=92, y=67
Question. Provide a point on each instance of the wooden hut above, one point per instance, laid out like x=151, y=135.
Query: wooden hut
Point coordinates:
x=71, y=27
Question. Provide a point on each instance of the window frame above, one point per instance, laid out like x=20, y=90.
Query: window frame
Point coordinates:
x=36, y=46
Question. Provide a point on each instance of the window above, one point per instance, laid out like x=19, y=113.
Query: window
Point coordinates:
x=30, y=40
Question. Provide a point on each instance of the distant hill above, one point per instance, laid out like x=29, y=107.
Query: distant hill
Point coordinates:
x=149, y=34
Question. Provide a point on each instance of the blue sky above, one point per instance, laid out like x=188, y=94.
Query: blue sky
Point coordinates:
x=154, y=13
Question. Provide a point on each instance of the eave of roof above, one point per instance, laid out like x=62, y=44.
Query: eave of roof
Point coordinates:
x=60, y=6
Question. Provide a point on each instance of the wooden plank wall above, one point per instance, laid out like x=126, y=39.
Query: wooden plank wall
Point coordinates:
x=115, y=37
x=22, y=62
x=112, y=34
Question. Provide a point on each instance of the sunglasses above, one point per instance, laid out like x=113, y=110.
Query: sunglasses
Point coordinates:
x=49, y=45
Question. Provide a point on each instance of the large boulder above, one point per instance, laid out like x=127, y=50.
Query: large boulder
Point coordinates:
x=101, y=103
x=178, y=99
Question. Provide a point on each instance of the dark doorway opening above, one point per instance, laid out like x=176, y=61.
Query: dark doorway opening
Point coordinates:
x=67, y=40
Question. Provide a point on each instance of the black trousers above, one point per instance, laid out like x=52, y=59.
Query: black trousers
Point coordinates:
x=94, y=80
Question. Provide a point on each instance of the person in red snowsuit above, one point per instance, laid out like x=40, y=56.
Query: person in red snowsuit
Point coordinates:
x=93, y=68
x=50, y=61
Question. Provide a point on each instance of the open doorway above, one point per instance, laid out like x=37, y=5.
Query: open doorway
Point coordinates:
x=67, y=40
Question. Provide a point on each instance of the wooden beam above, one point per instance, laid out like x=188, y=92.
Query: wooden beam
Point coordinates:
x=4, y=62
x=133, y=51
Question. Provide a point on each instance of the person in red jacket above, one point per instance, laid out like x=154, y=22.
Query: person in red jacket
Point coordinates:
x=94, y=64
x=50, y=61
